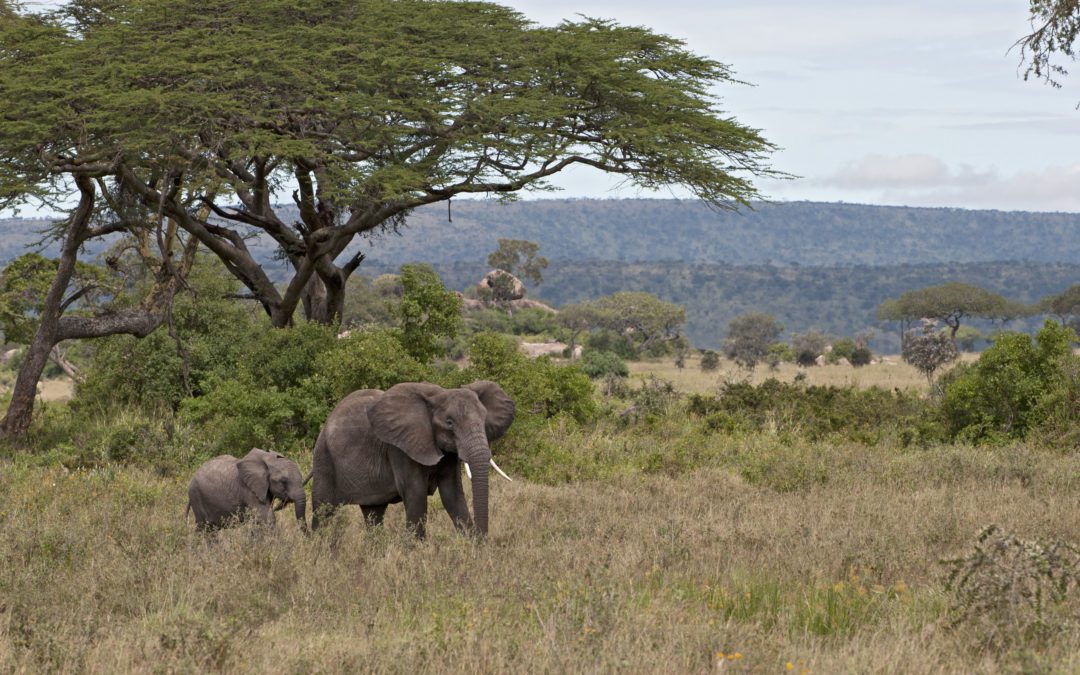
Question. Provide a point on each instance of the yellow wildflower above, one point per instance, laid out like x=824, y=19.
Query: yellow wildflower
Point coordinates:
x=789, y=665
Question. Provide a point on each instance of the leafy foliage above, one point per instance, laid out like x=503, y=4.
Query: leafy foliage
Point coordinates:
x=370, y=109
x=24, y=283
x=863, y=415
x=540, y=388
x=428, y=314
x=643, y=321
x=1016, y=386
x=951, y=302
x=710, y=360
x=598, y=364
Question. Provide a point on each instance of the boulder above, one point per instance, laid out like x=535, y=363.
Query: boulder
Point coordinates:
x=820, y=360
x=518, y=290
x=843, y=362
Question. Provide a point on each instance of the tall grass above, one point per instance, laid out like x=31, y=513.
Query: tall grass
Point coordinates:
x=757, y=553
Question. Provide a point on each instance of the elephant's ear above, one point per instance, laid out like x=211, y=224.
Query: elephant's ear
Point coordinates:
x=500, y=407
x=402, y=418
x=254, y=473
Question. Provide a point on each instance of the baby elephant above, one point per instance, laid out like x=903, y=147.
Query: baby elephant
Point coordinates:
x=226, y=487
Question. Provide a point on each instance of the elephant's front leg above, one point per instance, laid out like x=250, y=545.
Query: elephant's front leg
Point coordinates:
x=411, y=480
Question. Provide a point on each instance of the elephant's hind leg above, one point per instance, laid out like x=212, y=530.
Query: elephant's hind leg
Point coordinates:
x=373, y=515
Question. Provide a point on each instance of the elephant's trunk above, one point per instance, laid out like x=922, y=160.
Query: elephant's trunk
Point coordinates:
x=299, y=499
x=480, y=495
x=476, y=454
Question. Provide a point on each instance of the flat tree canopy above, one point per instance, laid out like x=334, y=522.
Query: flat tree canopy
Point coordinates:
x=354, y=111
x=949, y=303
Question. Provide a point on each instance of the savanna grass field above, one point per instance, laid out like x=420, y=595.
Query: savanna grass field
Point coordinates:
x=653, y=541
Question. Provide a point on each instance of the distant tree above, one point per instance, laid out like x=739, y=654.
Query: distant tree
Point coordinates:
x=967, y=337
x=1055, y=25
x=950, y=303
x=519, y=257
x=710, y=360
x=681, y=346
x=1065, y=306
x=576, y=319
x=749, y=337
x=647, y=322
x=929, y=349
x=808, y=346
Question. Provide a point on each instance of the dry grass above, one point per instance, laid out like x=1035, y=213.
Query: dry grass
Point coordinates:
x=890, y=373
x=100, y=573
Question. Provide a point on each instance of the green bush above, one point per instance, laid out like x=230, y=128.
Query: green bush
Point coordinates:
x=540, y=387
x=1016, y=386
x=861, y=415
x=843, y=348
x=610, y=341
x=600, y=364
x=239, y=414
x=710, y=360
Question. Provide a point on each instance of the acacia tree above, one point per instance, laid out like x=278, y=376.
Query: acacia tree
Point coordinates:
x=949, y=303
x=1065, y=306
x=644, y=319
x=352, y=111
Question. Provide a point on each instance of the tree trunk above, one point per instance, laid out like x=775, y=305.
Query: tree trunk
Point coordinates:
x=20, y=411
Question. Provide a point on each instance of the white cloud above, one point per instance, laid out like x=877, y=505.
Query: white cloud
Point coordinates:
x=926, y=180
x=907, y=171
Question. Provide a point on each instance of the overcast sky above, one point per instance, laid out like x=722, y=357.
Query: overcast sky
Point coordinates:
x=913, y=102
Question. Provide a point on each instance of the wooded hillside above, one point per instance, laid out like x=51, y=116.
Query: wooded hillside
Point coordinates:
x=802, y=233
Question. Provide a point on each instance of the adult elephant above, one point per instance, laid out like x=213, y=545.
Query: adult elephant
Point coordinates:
x=226, y=489
x=401, y=445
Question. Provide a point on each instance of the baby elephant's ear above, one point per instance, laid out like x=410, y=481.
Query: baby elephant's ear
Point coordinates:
x=500, y=408
x=255, y=474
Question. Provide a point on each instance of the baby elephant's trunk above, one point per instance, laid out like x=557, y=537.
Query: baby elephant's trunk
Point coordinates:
x=299, y=499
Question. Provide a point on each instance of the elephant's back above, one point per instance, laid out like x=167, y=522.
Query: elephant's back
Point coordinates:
x=349, y=418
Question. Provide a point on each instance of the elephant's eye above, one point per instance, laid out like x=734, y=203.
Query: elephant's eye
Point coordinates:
x=449, y=422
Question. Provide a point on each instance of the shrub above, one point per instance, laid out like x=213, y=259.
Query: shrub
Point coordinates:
x=710, y=360
x=1014, y=592
x=861, y=415
x=610, y=341
x=540, y=387
x=429, y=315
x=861, y=356
x=600, y=364
x=808, y=346
x=1016, y=385
x=238, y=414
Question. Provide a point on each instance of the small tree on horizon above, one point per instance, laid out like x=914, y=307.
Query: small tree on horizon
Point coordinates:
x=520, y=258
x=749, y=337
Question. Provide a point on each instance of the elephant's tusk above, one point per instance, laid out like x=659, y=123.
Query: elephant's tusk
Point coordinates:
x=501, y=472
x=468, y=471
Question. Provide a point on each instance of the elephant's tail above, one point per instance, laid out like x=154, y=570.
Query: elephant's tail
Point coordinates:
x=310, y=474
x=187, y=510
